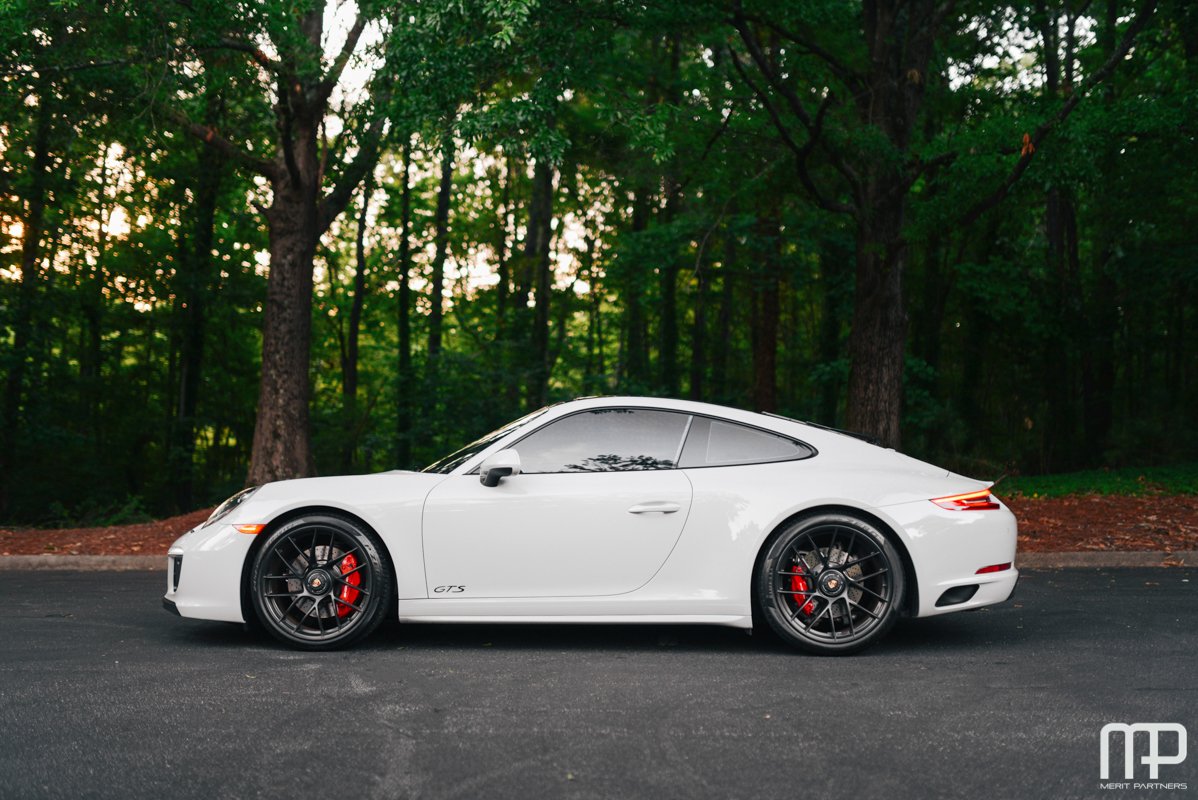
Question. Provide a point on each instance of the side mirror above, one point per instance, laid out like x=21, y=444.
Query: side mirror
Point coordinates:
x=500, y=465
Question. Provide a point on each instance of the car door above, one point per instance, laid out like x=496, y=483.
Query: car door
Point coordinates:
x=596, y=510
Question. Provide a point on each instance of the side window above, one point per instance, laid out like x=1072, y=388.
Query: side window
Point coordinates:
x=605, y=440
x=713, y=443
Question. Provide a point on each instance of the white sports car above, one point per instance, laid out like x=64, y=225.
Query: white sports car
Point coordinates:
x=615, y=509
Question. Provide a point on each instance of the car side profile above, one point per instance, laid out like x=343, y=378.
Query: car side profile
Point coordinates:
x=610, y=510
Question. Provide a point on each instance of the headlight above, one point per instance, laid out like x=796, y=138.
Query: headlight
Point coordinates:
x=226, y=508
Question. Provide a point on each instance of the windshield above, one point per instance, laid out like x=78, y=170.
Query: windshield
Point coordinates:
x=454, y=460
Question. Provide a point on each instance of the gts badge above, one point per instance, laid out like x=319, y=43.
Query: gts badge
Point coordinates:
x=449, y=589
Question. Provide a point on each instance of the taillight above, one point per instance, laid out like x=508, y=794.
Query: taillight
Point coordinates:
x=971, y=501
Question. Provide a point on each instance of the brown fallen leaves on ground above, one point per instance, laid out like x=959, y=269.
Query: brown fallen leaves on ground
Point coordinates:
x=1159, y=522
x=1166, y=523
x=141, y=539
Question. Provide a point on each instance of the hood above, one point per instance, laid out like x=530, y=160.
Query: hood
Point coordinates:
x=350, y=491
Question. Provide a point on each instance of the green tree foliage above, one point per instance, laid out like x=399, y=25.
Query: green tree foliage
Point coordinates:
x=684, y=200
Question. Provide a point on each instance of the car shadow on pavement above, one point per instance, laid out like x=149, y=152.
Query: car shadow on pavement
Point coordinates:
x=956, y=634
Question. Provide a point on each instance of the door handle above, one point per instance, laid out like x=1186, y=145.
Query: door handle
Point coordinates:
x=656, y=507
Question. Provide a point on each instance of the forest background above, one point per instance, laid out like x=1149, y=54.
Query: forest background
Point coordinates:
x=246, y=241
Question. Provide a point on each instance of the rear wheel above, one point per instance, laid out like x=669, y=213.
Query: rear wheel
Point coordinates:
x=320, y=582
x=830, y=584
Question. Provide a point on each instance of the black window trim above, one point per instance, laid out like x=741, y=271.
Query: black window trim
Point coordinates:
x=865, y=437
x=685, y=435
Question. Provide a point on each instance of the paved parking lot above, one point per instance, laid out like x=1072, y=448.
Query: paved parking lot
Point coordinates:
x=102, y=694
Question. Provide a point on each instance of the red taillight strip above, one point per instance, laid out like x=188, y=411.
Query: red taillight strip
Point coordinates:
x=970, y=501
x=994, y=568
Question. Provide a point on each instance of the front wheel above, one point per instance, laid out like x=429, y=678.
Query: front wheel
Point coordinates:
x=830, y=584
x=320, y=582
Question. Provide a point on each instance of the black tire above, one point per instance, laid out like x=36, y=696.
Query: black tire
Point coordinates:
x=830, y=584
x=322, y=563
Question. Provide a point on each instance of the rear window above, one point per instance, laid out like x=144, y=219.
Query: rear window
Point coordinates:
x=716, y=443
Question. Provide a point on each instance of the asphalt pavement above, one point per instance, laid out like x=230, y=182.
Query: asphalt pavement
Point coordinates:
x=103, y=694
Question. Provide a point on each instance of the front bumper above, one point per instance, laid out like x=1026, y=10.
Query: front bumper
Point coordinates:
x=209, y=583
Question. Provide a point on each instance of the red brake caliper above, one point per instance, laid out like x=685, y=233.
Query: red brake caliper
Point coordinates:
x=798, y=583
x=348, y=593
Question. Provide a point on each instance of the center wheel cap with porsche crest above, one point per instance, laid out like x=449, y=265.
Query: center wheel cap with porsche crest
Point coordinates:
x=831, y=583
x=318, y=582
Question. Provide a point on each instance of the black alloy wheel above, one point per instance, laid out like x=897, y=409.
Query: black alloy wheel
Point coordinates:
x=830, y=584
x=321, y=582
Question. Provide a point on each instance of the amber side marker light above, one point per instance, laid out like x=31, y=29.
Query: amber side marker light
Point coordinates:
x=971, y=501
x=252, y=530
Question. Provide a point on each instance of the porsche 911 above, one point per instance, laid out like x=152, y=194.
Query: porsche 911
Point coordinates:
x=610, y=510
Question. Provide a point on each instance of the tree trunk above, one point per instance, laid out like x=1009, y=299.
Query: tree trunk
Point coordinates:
x=525, y=273
x=719, y=369
x=900, y=38
x=196, y=284
x=437, y=287
x=299, y=214
x=31, y=246
x=667, y=355
x=403, y=405
x=349, y=369
x=519, y=279
x=1061, y=362
x=879, y=334
x=596, y=374
x=543, y=196
x=91, y=365
x=763, y=322
x=600, y=343
x=1102, y=321
x=636, y=357
x=594, y=348
x=503, y=285
x=432, y=363
x=699, y=333
x=938, y=281
x=834, y=278
x=282, y=448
